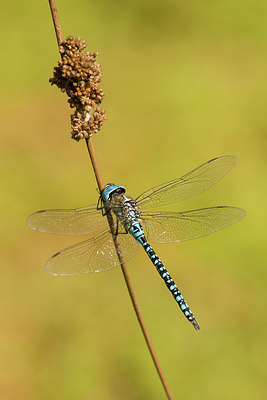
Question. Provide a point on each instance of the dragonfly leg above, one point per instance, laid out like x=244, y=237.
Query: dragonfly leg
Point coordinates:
x=100, y=206
x=117, y=227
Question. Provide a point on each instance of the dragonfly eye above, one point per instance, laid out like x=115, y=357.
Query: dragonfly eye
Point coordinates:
x=110, y=190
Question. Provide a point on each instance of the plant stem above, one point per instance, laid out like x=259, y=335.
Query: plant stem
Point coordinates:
x=126, y=276
x=56, y=22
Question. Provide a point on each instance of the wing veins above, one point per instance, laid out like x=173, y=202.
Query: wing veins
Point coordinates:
x=198, y=180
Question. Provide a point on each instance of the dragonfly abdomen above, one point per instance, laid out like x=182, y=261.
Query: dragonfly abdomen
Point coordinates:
x=137, y=231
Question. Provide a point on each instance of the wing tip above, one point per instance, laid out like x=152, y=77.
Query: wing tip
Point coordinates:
x=242, y=213
x=240, y=210
x=227, y=156
x=28, y=222
x=29, y=218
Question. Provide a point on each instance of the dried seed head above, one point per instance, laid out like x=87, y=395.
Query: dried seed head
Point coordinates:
x=79, y=76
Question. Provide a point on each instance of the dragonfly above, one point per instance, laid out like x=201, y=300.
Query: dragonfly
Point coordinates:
x=118, y=218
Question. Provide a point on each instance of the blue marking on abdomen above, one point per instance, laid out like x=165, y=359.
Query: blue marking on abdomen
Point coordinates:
x=138, y=233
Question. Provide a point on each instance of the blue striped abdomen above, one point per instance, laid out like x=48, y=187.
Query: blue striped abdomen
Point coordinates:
x=137, y=231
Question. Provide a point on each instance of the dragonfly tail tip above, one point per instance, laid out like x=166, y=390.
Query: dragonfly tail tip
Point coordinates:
x=195, y=324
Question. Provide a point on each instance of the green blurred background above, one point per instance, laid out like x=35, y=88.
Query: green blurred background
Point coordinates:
x=184, y=82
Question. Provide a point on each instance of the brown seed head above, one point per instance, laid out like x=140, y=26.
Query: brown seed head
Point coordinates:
x=79, y=76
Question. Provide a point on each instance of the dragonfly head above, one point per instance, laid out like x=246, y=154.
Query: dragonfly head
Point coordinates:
x=111, y=190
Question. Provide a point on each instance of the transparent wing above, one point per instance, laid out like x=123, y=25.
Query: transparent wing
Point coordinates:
x=80, y=221
x=191, y=184
x=177, y=227
x=94, y=255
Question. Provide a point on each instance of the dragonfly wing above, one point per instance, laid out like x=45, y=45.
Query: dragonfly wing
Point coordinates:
x=93, y=255
x=177, y=227
x=191, y=184
x=80, y=221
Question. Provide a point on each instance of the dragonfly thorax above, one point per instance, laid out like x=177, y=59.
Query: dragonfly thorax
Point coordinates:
x=130, y=211
x=123, y=206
